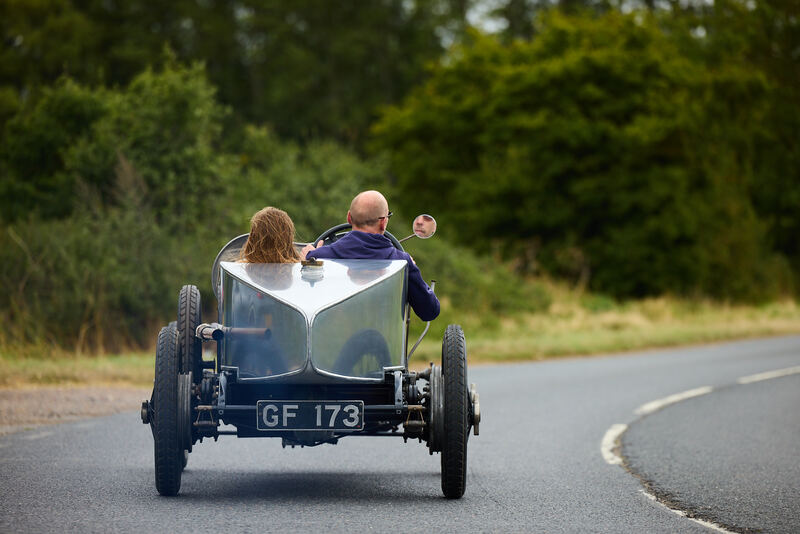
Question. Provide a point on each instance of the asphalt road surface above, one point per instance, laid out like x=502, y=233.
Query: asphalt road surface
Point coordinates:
x=573, y=445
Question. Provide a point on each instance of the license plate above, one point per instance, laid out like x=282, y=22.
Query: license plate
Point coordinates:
x=310, y=415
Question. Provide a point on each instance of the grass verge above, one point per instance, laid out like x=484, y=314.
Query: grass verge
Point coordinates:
x=62, y=369
x=581, y=326
x=574, y=325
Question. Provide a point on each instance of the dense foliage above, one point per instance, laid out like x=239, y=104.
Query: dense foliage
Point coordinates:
x=304, y=67
x=636, y=154
x=136, y=199
x=607, y=149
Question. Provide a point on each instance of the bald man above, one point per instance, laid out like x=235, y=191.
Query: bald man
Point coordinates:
x=368, y=215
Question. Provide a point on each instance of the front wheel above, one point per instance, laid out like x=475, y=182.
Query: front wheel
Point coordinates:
x=456, y=413
x=167, y=440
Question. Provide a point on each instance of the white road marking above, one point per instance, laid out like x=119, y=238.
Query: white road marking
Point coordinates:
x=613, y=433
x=609, y=443
x=769, y=374
x=652, y=406
x=707, y=524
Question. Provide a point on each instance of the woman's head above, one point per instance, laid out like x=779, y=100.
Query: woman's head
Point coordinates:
x=271, y=238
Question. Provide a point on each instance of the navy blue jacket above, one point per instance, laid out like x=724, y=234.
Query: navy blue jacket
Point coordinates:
x=363, y=245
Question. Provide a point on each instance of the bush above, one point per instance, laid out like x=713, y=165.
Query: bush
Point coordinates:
x=36, y=180
x=90, y=282
x=314, y=184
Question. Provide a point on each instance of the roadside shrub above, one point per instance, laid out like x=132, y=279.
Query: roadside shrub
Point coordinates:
x=313, y=183
x=35, y=178
x=91, y=282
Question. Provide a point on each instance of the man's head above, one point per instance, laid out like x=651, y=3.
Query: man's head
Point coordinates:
x=369, y=212
x=424, y=226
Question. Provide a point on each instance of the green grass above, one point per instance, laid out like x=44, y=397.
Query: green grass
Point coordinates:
x=576, y=324
x=63, y=369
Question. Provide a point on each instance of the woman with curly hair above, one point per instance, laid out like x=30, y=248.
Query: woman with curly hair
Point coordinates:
x=271, y=238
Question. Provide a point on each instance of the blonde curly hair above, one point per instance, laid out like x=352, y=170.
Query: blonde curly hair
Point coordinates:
x=271, y=238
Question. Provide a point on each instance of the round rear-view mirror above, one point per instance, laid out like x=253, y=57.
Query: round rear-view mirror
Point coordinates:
x=424, y=226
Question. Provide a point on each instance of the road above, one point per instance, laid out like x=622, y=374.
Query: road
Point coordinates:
x=544, y=462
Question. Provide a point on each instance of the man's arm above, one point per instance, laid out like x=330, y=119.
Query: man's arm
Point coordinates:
x=422, y=299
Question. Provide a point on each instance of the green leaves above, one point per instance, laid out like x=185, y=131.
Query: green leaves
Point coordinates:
x=601, y=144
x=306, y=68
x=34, y=146
x=167, y=124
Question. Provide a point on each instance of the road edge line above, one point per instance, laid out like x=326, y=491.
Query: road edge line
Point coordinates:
x=652, y=406
x=778, y=373
x=609, y=443
x=612, y=435
x=681, y=513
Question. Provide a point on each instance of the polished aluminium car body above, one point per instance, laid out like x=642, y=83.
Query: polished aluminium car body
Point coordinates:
x=333, y=331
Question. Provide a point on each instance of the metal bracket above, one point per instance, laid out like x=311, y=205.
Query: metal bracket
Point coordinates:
x=223, y=385
x=398, y=391
x=201, y=423
x=418, y=423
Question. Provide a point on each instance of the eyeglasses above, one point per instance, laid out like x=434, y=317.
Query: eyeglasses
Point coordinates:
x=386, y=216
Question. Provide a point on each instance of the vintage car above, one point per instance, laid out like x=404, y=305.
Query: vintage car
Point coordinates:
x=309, y=353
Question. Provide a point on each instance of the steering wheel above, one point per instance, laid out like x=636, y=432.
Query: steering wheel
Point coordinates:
x=330, y=235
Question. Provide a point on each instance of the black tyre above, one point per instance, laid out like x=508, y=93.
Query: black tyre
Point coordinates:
x=191, y=349
x=456, y=413
x=168, y=449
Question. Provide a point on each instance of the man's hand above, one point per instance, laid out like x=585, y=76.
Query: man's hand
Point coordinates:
x=308, y=248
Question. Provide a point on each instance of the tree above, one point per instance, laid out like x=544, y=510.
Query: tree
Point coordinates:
x=165, y=123
x=765, y=36
x=308, y=68
x=587, y=151
x=35, y=177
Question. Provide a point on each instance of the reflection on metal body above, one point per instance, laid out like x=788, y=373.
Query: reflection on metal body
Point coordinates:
x=344, y=321
x=231, y=252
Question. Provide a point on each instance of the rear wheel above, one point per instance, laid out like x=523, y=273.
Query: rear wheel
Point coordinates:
x=189, y=317
x=168, y=446
x=456, y=414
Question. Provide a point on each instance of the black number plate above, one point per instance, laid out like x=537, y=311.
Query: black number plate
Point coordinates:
x=310, y=415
